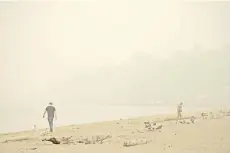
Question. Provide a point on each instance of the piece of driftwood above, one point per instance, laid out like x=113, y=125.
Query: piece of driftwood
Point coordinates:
x=98, y=139
x=135, y=142
x=184, y=122
x=67, y=140
x=15, y=140
x=31, y=148
x=159, y=127
x=53, y=140
x=63, y=140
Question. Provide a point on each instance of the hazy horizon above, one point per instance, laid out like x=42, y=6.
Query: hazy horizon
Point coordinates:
x=113, y=53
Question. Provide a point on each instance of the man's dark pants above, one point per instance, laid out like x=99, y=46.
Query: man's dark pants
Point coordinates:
x=50, y=120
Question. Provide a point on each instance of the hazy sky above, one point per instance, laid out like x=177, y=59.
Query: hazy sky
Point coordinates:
x=44, y=45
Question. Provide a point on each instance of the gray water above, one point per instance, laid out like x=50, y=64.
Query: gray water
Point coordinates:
x=25, y=117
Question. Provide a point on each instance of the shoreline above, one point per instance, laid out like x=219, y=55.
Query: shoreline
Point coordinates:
x=156, y=133
x=162, y=117
x=85, y=114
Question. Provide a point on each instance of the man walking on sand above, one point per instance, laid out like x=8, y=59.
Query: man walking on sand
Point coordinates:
x=51, y=112
x=179, y=111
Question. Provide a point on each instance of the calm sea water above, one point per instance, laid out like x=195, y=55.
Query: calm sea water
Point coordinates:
x=19, y=119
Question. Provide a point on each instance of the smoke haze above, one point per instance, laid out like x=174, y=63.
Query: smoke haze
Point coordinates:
x=112, y=53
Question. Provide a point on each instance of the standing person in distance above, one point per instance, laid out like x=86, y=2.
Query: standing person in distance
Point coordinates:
x=51, y=112
x=179, y=111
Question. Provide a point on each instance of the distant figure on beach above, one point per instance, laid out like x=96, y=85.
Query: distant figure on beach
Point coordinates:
x=51, y=112
x=179, y=111
x=35, y=128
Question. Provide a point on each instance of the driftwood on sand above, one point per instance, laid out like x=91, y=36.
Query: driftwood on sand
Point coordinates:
x=204, y=115
x=135, y=142
x=184, y=122
x=67, y=140
x=152, y=126
x=53, y=140
x=225, y=113
x=98, y=139
x=191, y=120
x=16, y=140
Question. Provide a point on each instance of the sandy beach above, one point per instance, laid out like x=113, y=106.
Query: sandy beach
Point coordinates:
x=94, y=76
x=208, y=134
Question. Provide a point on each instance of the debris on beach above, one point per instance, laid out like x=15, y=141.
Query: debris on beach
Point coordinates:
x=63, y=140
x=192, y=119
x=225, y=113
x=228, y=113
x=204, y=115
x=184, y=122
x=101, y=138
x=98, y=139
x=166, y=146
x=148, y=125
x=136, y=142
x=44, y=133
x=209, y=115
x=152, y=126
x=159, y=127
x=53, y=140
x=67, y=140
x=84, y=140
x=16, y=140
x=30, y=148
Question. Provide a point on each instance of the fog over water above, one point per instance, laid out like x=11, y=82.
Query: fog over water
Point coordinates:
x=101, y=60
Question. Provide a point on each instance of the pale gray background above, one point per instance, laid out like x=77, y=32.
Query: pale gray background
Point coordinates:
x=111, y=52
